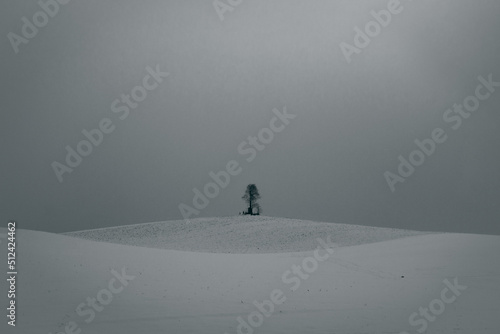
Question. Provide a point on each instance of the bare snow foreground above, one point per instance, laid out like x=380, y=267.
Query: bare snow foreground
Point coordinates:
x=447, y=283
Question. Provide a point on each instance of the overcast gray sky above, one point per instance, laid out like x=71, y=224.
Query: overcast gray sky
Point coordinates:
x=353, y=119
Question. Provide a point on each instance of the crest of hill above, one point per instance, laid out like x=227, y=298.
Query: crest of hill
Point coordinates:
x=241, y=234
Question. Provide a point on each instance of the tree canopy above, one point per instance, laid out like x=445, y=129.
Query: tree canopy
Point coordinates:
x=251, y=197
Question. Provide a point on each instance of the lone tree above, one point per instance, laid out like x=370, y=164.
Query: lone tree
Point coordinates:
x=251, y=197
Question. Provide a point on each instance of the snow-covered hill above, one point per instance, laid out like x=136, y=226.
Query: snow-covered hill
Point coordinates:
x=72, y=285
x=241, y=234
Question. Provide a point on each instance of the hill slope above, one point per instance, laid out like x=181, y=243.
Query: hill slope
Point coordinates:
x=241, y=234
x=357, y=289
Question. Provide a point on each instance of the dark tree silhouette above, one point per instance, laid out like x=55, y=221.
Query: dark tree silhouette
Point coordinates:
x=251, y=197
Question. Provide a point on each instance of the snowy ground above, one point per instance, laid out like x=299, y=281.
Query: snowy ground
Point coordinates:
x=356, y=289
x=241, y=234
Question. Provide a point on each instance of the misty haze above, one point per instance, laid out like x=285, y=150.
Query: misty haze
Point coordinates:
x=250, y=166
